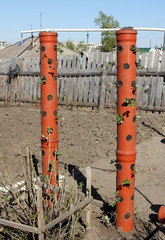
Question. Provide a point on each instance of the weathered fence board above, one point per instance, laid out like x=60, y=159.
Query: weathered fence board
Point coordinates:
x=84, y=81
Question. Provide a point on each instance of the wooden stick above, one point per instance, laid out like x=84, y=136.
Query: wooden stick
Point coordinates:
x=19, y=226
x=29, y=167
x=40, y=214
x=67, y=214
x=88, y=194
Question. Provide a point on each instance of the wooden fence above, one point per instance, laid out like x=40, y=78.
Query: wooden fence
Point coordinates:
x=88, y=80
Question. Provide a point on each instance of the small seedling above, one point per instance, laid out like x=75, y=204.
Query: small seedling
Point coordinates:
x=42, y=80
x=49, y=130
x=57, y=154
x=113, y=161
x=52, y=68
x=120, y=119
x=146, y=90
x=117, y=199
x=112, y=85
x=130, y=102
x=63, y=119
x=107, y=219
x=137, y=116
x=44, y=137
x=126, y=182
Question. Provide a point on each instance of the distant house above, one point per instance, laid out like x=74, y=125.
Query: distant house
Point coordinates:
x=28, y=48
x=3, y=44
x=145, y=49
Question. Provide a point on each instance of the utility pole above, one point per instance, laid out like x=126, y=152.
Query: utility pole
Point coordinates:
x=87, y=41
x=164, y=42
x=31, y=27
x=41, y=20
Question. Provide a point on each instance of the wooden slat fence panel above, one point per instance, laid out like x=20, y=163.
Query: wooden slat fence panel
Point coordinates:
x=78, y=80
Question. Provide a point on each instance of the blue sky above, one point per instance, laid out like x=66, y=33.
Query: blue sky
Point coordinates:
x=16, y=16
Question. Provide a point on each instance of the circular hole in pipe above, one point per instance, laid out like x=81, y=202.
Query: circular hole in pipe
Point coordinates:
x=49, y=97
x=119, y=48
x=55, y=113
x=119, y=166
x=132, y=167
x=133, y=48
x=127, y=215
x=44, y=113
x=126, y=66
x=120, y=198
x=132, y=197
x=133, y=84
x=50, y=61
x=134, y=119
x=42, y=48
x=129, y=138
x=120, y=83
x=49, y=130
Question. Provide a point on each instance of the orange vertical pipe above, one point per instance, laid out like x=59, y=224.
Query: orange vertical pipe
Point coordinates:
x=49, y=140
x=126, y=127
x=161, y=214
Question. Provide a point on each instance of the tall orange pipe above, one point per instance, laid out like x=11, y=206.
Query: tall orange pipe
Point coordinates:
x=49, y=124
x=126, y=127
x=161, y=214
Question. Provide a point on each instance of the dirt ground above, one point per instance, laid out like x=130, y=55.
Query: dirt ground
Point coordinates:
x=88, y=138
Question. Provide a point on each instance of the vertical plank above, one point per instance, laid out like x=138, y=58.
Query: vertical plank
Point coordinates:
x=40, y=214
x=86, y=90
x=91, y=89
x=139, y=90
x=158, y=91
x=81, y=90
x=103, y=87
x=162, y=65
x=152, y=91
x=71, y=90
x=163, y=96
x=75, y=90
x=96, y=91
x=112, y=89
x=88, y=194
x=108, y=89
x=156, y=61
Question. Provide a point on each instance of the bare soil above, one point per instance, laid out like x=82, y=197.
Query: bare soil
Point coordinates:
x=88, y=138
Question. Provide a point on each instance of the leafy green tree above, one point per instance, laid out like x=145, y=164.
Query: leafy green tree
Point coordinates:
x=81, y=47
x=70, y=45
x=108, y=39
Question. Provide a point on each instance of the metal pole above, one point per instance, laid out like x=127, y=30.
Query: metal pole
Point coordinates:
x=49, y=140
x=126, y=127
x=87, y=41
x=164, y=42
x=93, y=30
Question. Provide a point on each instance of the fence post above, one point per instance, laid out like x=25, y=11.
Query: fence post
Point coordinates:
x=88, y=194
x=49, y=114
x=126, y=127
x=40, y=214
x=29, y=168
